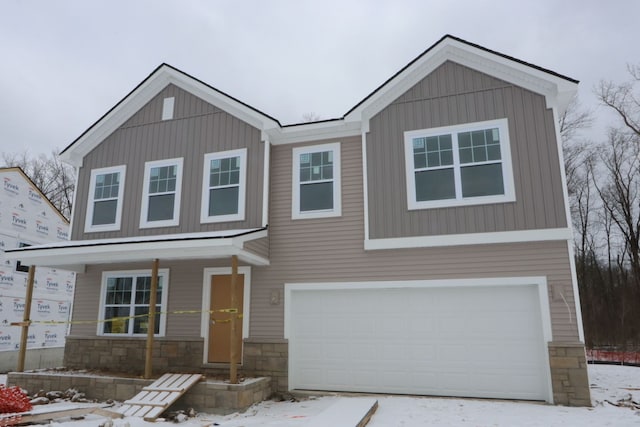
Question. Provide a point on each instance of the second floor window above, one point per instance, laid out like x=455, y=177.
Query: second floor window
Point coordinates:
x=316, y=181
x=104, y=209
x=223, y=187
x=161, y=193
x=459, y=165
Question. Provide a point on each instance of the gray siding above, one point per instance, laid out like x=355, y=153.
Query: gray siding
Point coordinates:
x=259, y=247
x=454, y=94
x=197, y=128
x=331, y=250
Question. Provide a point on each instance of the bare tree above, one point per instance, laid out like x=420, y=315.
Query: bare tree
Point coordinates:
x=574, y=119
x=55, y=179
x=310, y=117
x=624, y=100
x=619, y=191
x=620, y=194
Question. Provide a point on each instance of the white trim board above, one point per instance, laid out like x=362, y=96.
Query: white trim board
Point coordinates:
x=521, y=236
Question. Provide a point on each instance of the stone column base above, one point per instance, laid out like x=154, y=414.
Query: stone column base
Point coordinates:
x=569, y=377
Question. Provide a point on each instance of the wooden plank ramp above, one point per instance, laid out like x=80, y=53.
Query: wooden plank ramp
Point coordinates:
x=154, y=399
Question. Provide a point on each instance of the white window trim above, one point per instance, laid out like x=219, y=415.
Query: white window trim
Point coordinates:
x=204, y=211
x=145, y=193
x=163, y=272
x=88, y=226
x=507, y=171
x=296, y=213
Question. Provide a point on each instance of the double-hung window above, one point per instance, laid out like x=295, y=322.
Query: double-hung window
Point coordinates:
x=459, y=165
x=224, y=186
x=125, y=301
x=161, y=193
x=104, y=209
x=316, y=181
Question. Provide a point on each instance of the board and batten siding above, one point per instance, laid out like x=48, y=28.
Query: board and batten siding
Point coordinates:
x=454, y=94
x=331, y=250
x=197, y=128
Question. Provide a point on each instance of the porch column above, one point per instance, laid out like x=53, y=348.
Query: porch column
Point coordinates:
x=233, y=368
x=151, y=320
x=26, y=319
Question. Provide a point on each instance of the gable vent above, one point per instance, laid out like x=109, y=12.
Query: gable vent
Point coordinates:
x=167, y=108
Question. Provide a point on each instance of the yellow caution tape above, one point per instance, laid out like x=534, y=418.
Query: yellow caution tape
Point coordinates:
x=118, y=319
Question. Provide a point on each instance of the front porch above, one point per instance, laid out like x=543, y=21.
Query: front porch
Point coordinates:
x=127, y=356
x=209, y=395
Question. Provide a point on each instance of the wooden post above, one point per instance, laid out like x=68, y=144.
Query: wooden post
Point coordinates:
x=233, y=368
x=151, y=321
x=26, y=319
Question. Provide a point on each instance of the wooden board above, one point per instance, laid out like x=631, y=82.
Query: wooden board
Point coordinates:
x=154, y=399
x=40, y=416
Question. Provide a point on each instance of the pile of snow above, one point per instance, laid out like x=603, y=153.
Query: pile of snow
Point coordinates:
x=614, y=392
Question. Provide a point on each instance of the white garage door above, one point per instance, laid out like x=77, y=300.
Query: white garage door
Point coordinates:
x=479, y=341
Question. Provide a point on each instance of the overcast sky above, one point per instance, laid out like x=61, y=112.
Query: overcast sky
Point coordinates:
x=63, y=64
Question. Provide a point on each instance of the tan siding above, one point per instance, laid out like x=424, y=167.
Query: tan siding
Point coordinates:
x=185, y=293
x=454, y=94
x=195, y=131
x=329, y=250
x=259, y=247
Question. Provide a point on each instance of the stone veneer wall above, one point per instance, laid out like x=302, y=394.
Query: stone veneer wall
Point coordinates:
x=569, y=374
x=205, y=396
x=127, y=355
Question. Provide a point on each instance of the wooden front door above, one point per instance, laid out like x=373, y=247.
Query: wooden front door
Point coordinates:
x=219, y=323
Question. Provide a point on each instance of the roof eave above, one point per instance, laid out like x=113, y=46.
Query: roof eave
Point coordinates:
x=556, y=88
x=75, y=255
x=143, y=93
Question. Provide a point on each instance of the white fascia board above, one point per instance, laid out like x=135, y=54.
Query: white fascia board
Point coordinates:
x=314, y=132
x=221, y=101
x=266, y=169
x=144, y=93
x=110, y=254
x=149, y=247
x=550, y=234
x=114, y=119
x=557, y=91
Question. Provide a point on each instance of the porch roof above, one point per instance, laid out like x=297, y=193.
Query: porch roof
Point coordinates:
x=75, y=254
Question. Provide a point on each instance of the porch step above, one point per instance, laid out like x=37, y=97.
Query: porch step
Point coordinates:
x=154, y=399
x=346, y=412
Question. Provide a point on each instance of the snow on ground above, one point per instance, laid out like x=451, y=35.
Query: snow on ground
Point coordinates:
x=608, y=383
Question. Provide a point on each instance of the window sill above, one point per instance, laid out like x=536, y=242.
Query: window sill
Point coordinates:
x=315, y=215
x=452, y=203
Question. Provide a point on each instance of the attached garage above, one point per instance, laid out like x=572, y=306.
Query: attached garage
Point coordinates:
x=473, y=338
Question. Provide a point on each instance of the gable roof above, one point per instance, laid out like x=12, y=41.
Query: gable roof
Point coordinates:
x=159, y=78
x=557, y=89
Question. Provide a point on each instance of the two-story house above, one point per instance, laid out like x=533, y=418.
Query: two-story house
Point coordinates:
x=419, y=244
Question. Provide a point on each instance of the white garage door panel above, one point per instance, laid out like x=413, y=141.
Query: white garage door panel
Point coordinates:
x=460, y=341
